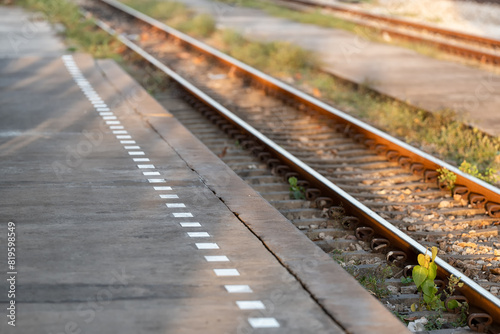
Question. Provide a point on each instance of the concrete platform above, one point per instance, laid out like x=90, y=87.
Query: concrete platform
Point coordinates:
x=125, y=223
x=26, y=34
x=403, y=74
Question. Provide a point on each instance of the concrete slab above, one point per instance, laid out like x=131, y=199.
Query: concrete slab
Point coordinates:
x=403, y=74
x=24, y=33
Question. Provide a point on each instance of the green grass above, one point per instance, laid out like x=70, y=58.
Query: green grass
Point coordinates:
x=79, y=31
x=176, y=15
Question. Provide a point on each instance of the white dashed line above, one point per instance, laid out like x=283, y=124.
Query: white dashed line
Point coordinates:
x=162, y=188
x=127, y=141
x=120, y=132
x=217, y=258
x=207, y=245
x=112, y=122
x=195, y=224
x=238, y=288
x=175, y=205
x=250, y=305
x=102, y=105
x=182, y=214
x=141, y=159
x=263, y=322
x=132, y=147
x=136, y=153
x=106, y=113
x=198, y=234
x=169, y=196
x=156, y=180
x=123, y=137
x=116, y=127
x=109, y=117
x=103, y=109
x=150, y=173
x=226, y=272
x=145, y=166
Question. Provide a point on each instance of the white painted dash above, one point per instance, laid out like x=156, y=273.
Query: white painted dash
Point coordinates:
x=162, y=188
x=207, y=245
x=198, y=234
x=156, y=180
x=263, y=322
x=217, y=258
x=108, y=117
x=103, y=109
x=171, y=196
x=120, y=132
x=102, y=105
x=187, y=224
x=141, y=159
x=136, y=153
x=250, y=305
x=116, y=127
x=175, y=205
x=135, y=147
x=123, y=137
x=127, y=141
x=145, y=166
x=226, y=272
x=182, y=214
x=105, y=113
x=112, y=122
x=238, y=288
x=150, y=173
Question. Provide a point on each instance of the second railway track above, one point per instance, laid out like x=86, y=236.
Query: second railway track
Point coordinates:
x=478, y=48
x=382, y=187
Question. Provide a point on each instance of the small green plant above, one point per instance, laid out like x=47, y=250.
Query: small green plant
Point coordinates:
x=374, y=281
x=434, y=322
x=423, y=275
x=406, y=280
x=296, y=191
x=489, y=175
x=447, y=177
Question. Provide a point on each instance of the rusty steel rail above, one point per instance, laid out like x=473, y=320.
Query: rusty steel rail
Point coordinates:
x=462, y=51
x=477, y=191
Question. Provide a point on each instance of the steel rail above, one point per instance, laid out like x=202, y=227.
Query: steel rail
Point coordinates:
x=475, y=293
x=482, y=56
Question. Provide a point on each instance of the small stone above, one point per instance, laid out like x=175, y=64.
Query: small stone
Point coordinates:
x=313, y=226
x=321, y=235
x=393, y=289
x=444, y=204
x=494, y=290
x=495, y=271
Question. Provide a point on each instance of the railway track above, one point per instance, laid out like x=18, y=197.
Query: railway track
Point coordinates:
x=482, y=49
x=369, y=198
